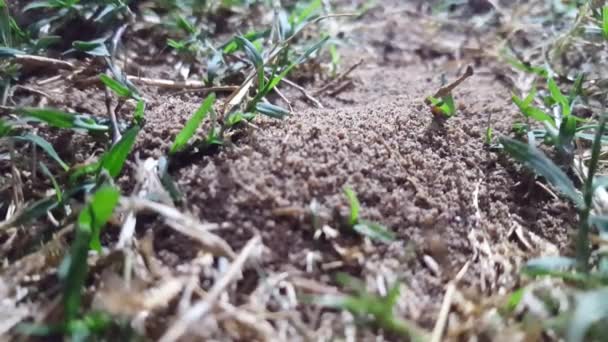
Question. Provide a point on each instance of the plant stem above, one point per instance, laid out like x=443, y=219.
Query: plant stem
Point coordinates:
x=583, y=251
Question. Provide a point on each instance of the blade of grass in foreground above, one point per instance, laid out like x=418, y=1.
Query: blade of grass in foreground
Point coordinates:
x=190, y=128
x=73, y=269
x=61, y=119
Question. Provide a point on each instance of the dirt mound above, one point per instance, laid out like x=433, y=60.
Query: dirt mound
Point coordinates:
x=417, y=179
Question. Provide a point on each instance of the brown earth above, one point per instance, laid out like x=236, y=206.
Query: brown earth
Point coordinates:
x=448, y=196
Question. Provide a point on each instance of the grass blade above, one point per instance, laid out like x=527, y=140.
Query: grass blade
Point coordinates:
x=190, y=128
x=605, y=21
x=271, y=110
x=53, y=117
x=251, y=51
x=44, y=145
x=115, y=158
x=140, y=109
x=73, y=269
x=542, y=165
x=374, y=231
x=45, y=170
x=115, y=86
x=354, y=204
x=558, y=97
x=61, y=119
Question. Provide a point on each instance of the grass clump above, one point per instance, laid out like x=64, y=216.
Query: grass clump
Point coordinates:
x=580, y=269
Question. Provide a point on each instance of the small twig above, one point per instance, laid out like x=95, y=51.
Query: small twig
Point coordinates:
x=447, y=90
x=304, y=92
x=198, y=311
x=33, y=91
x=39, y=61
x=189, y=84
x=283, y=97
x=341, y=88
x=186, y=86
x=339, y=78
x=185, y=225
x=312, y=22
x=447, y=303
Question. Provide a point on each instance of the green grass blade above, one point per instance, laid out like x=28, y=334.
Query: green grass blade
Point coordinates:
x=36, y=210
x=558, y=97
x=542, y=165
x=374, y=231
x=567, y=131
x=251, y=51
x=354, y=204
x=139, y=114
x=60, y=119
x=99, y=212
x=5, y=128
x=73, y=269
x=115, y=86
x=305, y=13
x=577, y=87
x=531, y=111
x=271, y=110
x=115, y=158
x=278, y=78
x=95, y=47
x=53, y=117
x=45, y=170
x=190, y=128
x=45, y=146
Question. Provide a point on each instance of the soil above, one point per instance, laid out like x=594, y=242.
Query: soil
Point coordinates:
x=449, y=197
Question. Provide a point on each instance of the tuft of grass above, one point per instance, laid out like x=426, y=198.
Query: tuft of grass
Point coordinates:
x=560, y=126
x=579, y=270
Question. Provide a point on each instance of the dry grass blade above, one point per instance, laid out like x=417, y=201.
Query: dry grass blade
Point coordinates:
x=201, y=308
x=304, y=92
x=39, y=61
x=187, y=86
x=339, y=78
x=184, y=224
x=442, y=321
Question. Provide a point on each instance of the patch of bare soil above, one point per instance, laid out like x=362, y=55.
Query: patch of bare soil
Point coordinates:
x=449, y=198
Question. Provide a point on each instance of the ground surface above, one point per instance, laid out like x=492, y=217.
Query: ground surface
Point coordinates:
x=448, y=197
